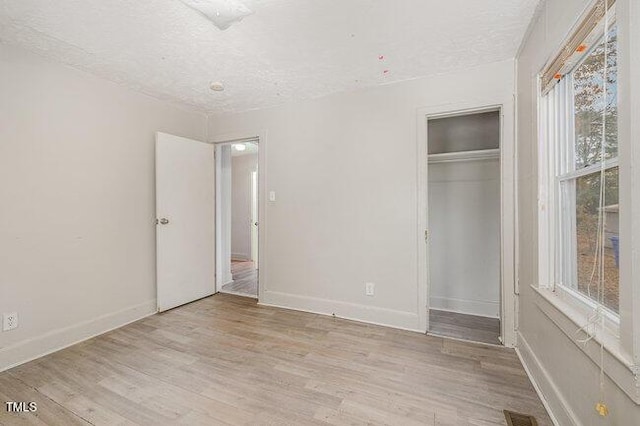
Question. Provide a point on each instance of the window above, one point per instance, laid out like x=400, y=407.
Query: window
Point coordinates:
x=587, y=186
x=588, y=180
x=579, y=114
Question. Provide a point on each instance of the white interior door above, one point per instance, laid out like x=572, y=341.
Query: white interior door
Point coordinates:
x=185, y=209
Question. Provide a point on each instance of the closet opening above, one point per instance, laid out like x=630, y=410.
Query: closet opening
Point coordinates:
x=464, y=226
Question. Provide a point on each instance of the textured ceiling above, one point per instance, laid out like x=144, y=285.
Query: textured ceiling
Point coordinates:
x=288, y=49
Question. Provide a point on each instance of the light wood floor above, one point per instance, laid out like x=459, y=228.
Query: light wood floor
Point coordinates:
x=245, y=279
x=226, y=360
x=463, y=326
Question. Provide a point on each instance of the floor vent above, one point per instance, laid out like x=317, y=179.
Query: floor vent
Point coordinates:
x=517, y=419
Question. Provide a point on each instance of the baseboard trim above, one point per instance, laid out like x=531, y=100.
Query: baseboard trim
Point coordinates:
x=350, y=311
x=555, y=404
x=464, y=306
x=53, y=341
x=237, y=293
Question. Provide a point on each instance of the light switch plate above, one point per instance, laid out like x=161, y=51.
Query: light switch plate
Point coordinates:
x=272, y=195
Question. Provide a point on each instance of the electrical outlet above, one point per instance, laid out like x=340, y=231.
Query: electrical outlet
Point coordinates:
x=369, y=289
x=9, y=321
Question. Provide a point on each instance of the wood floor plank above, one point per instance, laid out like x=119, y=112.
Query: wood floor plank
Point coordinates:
x=49, y=412
x=226, y=360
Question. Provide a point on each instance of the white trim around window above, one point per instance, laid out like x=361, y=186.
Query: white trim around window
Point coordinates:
x=558, y=176
x=567, y=308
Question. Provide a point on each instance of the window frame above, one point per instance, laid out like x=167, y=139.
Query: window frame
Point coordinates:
x=556, y=136
x=620, y=358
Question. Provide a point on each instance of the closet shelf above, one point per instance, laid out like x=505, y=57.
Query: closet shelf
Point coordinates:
x=449, y=157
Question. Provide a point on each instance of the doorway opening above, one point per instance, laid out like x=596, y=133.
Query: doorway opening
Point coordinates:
x=237, y=212
x=464, y=226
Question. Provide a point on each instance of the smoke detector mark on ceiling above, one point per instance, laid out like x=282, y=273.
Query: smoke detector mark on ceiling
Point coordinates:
x=222, y=13
x=216, y=86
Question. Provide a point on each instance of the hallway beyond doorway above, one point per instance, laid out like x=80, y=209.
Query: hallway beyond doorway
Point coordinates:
x=245, y=279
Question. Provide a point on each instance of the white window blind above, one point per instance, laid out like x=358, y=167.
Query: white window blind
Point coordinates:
x=585, y=34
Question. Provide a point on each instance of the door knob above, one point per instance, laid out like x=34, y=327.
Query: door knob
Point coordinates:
x=164, y=221
x=256, y=224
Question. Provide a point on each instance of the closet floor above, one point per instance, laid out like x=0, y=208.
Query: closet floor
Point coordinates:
x=466, y=327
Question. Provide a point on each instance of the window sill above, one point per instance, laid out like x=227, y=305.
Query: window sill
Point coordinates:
x=618, y=364
x=584, y=307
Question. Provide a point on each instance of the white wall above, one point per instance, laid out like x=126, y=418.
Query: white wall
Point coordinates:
x=566, y=375
x=77, y=232
x=344, y=170
x=242, y=166
x=464, y=224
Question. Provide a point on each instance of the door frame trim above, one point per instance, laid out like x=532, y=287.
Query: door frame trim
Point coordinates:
x=254, y=250
x=508, y=265
x=260, y=137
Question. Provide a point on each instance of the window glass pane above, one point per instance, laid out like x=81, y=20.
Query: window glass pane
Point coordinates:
x=582, y=198
x=590, y=103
